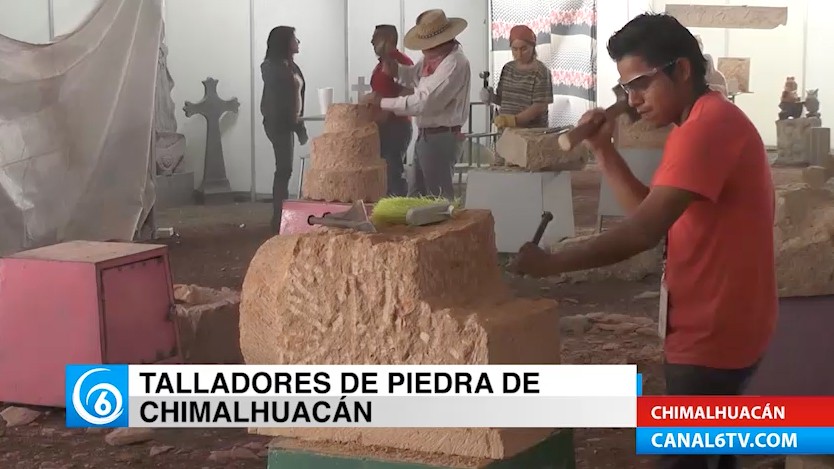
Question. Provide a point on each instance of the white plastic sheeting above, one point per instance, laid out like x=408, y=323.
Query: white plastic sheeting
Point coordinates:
x=76, y=129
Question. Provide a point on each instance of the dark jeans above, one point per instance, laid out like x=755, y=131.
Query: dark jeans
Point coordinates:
x=690, y=380
x=394, y=137
x=282, y=144
x=435, y=155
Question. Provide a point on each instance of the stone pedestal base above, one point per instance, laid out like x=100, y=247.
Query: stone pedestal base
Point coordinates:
x=208, y=323
x=819, y=146
x=405, y=295
x=174, y=190
x=215, y=192
x=792, y=140
x=517, y=199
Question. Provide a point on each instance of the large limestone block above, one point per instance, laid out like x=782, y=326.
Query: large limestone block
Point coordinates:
x=792, y=139
x=539, y=151
x=804, y=241
x=427, y=295
x=207, y=320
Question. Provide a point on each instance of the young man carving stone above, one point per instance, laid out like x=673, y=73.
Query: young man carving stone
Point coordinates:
x=712, y=202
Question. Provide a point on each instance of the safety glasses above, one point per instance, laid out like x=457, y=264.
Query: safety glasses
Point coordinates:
x=641, y=82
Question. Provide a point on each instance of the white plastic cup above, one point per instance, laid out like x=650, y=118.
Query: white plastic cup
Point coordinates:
x=325, y=99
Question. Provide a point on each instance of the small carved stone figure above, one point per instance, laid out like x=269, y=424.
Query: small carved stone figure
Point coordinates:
x=812, y=103
x=790, y=104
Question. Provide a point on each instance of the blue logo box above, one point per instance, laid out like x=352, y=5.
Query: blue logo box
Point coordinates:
x=97, y=396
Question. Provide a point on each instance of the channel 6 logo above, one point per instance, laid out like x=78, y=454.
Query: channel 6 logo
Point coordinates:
x=96, y=396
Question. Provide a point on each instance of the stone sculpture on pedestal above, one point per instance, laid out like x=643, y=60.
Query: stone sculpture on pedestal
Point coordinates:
x=790, y=105
x=215, y=186
x=174, y=186
x=812, y=103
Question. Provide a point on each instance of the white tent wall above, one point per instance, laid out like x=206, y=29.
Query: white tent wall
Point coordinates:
x=611, y=16
x=818, y=71
x=209, y=38
x=774, y=54
x=26, y=20
x=212, y=38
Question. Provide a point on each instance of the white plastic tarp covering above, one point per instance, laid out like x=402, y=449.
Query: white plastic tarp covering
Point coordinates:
x=76, y=121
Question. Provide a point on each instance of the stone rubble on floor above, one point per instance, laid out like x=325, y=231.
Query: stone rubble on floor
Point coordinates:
x=157, y=450
x=128, y=436
x=18, y=416
x=236, y=453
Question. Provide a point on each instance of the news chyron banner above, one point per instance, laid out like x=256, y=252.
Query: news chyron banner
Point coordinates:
x=391, y=396
x=735, y=425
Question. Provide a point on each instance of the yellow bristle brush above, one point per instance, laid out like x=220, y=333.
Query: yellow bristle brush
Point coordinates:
x=394, y=210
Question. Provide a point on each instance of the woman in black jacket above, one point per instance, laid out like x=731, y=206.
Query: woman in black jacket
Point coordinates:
x=282, y=106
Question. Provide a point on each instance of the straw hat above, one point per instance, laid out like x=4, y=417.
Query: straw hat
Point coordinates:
x=433, y=29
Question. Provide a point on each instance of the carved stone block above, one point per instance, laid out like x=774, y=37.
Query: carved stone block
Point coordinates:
x=792, y=139
x=737, y=69
x=729, y=17
x=536, y=150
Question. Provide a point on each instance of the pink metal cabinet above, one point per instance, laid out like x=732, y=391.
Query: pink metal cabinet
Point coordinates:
x=81, y=302
x=295, y=213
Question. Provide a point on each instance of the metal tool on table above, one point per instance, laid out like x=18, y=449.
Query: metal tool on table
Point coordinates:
x=547, y=217
x=429, y=214
x=355, y=218
x=557, y=130
x=573, y=137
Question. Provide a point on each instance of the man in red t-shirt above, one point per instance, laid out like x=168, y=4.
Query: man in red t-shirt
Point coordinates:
x=712, y=199
x=395, y=132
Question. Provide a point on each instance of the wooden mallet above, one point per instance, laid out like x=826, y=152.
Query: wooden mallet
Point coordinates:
x=573, y=137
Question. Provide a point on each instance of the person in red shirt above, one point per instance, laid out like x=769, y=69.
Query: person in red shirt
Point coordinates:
x=712, y=199
x=395, y=132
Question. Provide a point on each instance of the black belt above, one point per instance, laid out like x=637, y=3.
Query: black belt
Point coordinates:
x=440, y=130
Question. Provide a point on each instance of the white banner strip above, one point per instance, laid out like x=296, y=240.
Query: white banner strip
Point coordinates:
x=384, y=412
x=416, y=381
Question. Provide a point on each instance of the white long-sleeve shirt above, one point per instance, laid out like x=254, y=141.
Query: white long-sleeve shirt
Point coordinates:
x=440, y=99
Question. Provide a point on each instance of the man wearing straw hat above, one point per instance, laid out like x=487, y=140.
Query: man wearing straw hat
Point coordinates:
x=440, y=101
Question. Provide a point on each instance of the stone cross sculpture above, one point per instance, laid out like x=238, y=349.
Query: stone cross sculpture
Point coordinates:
x=361, y=88
x=215, y=184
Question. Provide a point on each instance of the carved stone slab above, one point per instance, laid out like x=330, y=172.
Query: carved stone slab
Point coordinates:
x=721, y=16
x=736, y=68
x=215, y=183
